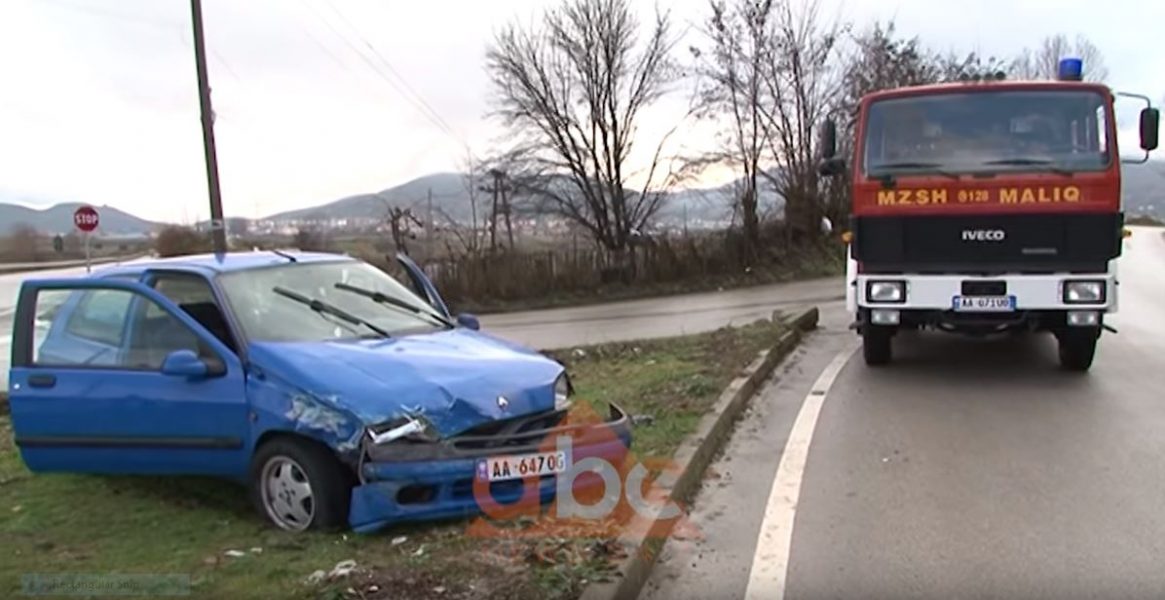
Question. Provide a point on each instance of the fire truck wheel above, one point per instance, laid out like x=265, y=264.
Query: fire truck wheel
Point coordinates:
x=876, y=345
x=1077, y=348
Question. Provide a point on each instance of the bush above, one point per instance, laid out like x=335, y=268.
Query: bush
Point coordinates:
x=176, y=240
x=21, y=245
x=311, y=240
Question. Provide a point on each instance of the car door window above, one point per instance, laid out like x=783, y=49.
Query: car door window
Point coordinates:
x=107, y=328
x=195, y=297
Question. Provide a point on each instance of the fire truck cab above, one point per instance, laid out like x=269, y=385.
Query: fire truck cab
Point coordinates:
x=986, y=207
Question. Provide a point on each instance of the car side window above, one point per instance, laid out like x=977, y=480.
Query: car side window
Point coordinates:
x=100, y=316
x=195, y=297
x=107, y=329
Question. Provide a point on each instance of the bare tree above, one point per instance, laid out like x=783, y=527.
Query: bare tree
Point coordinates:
x=21, y=244
x=801, y=80
x=572, y=91
x=1044, y=62
x=734, y=90
x=400, y=222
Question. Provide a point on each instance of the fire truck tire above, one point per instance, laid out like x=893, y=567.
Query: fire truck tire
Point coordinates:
x=1077, y=348
x=876, y=345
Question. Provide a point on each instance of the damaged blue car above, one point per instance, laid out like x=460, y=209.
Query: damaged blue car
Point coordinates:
x=341, y=396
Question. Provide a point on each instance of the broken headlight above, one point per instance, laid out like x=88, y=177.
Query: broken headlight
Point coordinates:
x=562, y=391
x=413, y=429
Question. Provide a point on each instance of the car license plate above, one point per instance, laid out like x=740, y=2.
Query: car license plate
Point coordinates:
x=983, y=303
x=502, y=468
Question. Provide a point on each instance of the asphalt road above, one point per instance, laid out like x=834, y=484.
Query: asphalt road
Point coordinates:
x=567, y=327
x=968, y=469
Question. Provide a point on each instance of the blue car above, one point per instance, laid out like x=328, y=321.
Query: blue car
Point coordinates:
x=341, y=396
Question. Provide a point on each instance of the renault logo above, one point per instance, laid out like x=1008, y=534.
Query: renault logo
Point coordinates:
x=502, y=402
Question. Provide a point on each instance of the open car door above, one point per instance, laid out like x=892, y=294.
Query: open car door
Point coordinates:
x=423, y=286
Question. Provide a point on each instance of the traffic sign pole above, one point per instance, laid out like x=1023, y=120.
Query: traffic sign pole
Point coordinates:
x=87, y=260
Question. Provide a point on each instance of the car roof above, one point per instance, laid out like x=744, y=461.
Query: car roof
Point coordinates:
x=211, y=264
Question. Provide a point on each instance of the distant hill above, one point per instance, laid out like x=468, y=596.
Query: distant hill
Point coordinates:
x=59, y=219
x=1143, y=194
x=449, y=195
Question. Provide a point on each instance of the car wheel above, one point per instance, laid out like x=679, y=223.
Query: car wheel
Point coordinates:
x=1077, y=349
x=876, y=345
x=298, y=485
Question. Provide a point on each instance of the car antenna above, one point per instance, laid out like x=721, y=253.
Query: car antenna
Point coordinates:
x=285, y=255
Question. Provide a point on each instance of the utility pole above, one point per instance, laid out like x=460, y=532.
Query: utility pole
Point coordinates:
x=217, y=225
x=429, y=228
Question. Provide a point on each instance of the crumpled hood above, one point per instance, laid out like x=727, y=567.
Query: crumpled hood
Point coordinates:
x=453, y=378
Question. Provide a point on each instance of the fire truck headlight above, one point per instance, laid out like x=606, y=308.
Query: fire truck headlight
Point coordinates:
x=1084, y=292
x=893, y=292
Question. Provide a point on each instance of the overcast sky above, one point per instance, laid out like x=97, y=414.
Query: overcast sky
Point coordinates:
x=98, y=100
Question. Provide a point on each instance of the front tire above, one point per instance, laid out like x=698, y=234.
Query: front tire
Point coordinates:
x=876, y=345
x=299, y=485
x=1077, y=349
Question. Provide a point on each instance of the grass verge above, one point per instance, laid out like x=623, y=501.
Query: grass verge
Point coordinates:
x=205, y=530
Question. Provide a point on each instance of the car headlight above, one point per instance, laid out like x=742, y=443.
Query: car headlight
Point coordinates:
x=562, y=393
x=885, y=291
x=1084, y=292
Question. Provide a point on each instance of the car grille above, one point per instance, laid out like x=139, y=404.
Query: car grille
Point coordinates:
x=520, y=431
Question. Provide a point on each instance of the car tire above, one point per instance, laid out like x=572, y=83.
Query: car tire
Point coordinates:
x=1077, y=349
x=877, y=347
x=299, y=485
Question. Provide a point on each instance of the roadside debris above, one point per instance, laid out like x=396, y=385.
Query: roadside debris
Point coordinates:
x=579, y=353
x=396, y=541
x=235, y=553
x=342, y=569
x=642, y=420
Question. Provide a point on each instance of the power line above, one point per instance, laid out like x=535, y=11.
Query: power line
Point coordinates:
x=389, y=66
x=433, y=118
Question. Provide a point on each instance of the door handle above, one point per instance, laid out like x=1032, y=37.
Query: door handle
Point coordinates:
x=42, y=381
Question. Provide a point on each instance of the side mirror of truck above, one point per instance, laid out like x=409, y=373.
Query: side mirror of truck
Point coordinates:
x=828, y=139
x=831, y=167
x=1150, y=126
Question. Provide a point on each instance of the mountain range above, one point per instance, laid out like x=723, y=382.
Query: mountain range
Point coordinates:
x=1143, y=193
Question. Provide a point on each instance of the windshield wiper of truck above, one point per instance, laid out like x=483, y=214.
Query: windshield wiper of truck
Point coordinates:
x=916, y=167
x=1047, y=164
x=401, y=305
x=328, y=309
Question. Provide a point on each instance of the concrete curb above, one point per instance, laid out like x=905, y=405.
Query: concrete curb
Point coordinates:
x=647, y=534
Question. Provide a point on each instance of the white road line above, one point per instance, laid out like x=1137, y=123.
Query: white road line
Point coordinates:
x=770, y=564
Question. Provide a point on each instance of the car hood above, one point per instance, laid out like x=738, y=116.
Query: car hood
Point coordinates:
x=454, y=378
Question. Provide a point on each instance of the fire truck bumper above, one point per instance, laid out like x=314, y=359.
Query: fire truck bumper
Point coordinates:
x=978, y=303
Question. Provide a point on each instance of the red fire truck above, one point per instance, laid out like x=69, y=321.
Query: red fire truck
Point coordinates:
x=986, y=207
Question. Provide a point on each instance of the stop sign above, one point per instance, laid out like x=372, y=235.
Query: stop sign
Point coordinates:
x=85, y=218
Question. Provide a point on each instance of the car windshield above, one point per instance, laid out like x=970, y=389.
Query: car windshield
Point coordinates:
x=975, y=132
x=305, y=302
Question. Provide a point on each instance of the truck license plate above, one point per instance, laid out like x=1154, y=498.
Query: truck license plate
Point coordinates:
x=502, y=468
x=983, y=303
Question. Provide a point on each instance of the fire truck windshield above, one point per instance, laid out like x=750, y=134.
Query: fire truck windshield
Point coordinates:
x=987, y=132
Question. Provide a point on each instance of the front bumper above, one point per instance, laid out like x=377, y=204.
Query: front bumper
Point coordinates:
x=443, y=486
x=1031, y=292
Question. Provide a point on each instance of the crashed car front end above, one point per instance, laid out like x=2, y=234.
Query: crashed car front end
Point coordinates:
x=408, y=474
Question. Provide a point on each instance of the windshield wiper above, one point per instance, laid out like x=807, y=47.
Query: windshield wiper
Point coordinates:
x=923, y=167
x=396, y=303
x=1032, y=162
x=329, y=309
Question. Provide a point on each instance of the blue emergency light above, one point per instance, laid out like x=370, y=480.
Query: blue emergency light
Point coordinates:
x=1071, y=69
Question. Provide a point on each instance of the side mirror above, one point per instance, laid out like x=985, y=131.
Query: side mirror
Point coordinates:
x=831, y=167
x=185, y=363
x=828, y=139
x=468, y=321
x=1150, y=123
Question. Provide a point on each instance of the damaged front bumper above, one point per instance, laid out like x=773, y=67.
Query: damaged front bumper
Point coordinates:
x=428, y=481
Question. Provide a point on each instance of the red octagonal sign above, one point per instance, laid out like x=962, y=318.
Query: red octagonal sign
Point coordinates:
x=85, y=218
